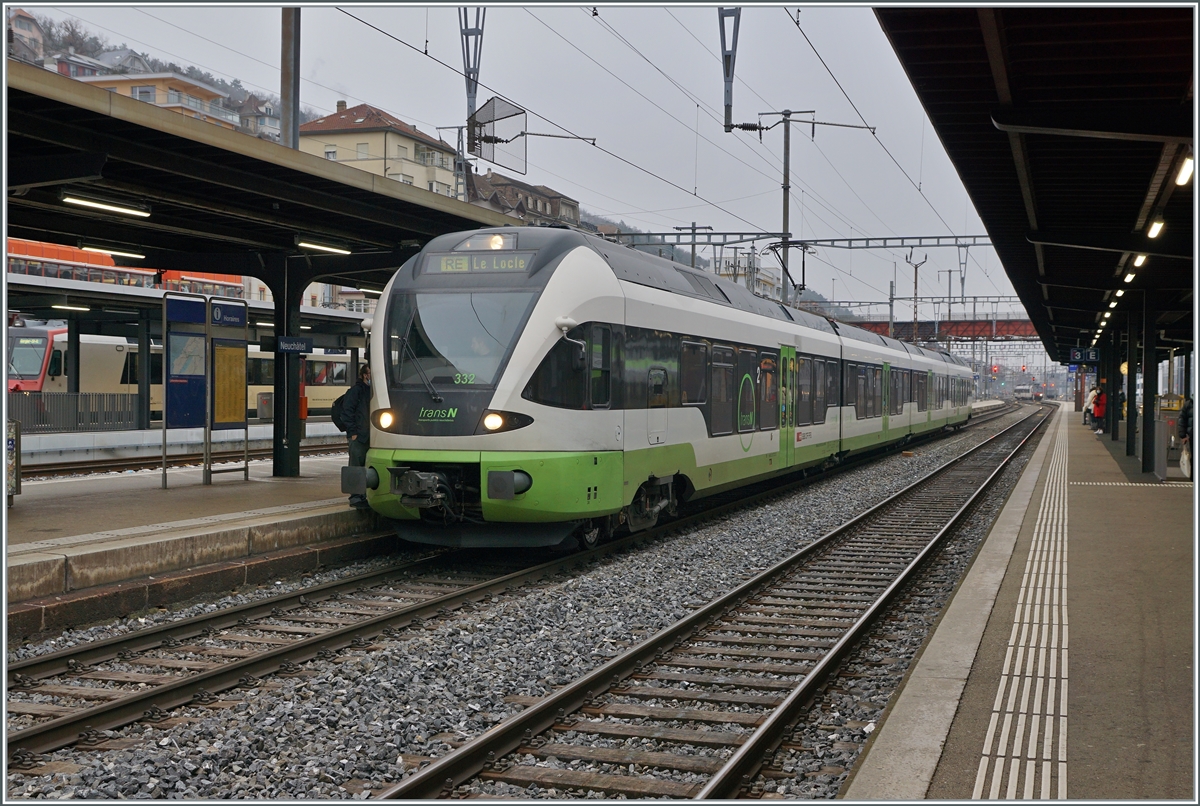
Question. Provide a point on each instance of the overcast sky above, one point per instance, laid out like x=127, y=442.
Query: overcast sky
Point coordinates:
x=646, y=82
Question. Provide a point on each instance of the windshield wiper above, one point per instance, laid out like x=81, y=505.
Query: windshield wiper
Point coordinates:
x=405, y=347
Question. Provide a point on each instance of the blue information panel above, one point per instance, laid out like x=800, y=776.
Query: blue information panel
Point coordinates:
x=185, y=310
x=184, y=372
x=233, y=315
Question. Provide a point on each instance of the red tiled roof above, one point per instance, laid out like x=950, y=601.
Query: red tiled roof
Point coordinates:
x=365, y=117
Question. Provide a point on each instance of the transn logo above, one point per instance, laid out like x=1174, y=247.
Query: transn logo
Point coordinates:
x=437, y=415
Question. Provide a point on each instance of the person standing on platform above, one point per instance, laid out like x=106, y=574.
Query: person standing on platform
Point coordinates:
x=357, y=414
x=1098, y=407
x=1087, y=406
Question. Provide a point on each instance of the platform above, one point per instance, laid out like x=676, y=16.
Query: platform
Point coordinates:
x=112, y=544
x=1039, y=684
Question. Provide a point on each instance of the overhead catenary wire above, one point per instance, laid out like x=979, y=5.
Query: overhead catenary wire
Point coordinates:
x=712, y=113
x=614, y=155
x=796, y=21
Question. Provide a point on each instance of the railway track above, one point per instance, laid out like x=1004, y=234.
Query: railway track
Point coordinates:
x=71, y=696
x=701, y=708
x=54, y=469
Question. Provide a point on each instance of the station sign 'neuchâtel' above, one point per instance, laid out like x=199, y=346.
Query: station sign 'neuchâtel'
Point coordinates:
x=482, y=261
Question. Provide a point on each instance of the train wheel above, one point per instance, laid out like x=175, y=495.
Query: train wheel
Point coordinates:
x=593, y=533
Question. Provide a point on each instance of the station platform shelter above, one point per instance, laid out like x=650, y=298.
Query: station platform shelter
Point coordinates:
x=1064, y=665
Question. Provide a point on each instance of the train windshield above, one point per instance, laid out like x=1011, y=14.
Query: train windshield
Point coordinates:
x=26, y=354
x=455, y=339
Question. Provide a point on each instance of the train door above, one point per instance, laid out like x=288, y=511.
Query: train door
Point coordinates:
x=656, y=406
x=787, y=408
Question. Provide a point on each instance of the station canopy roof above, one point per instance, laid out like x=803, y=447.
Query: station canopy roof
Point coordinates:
x=1068, y=127
x=220, y=200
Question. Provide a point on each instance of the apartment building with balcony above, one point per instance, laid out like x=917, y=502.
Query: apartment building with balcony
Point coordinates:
x=372, y=140
x=173, y=91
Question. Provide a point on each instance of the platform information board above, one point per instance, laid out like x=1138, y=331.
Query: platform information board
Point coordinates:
x=229, y=384
x=185, y=379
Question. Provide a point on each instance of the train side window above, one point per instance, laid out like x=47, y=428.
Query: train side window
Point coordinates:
x=56, y=364
x=337, y=373
x=601, y=366
x=877, y=377
x=818, y=391
x=559, y=380
x=922, y=385
x=314, y=372
x=656, y=388
x=768, y=391
x=833, y=383
x=862, y=394
x=804, y=395
x=129, y=369
x=849, y=396
x=693, y=373
x=721, y=411
x=747, y=369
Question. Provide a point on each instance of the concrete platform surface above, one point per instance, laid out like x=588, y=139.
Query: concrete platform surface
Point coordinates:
x=1039, y=684
x=108, y=545
x=62, y=507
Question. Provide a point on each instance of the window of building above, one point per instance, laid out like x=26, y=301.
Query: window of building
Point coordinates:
x=314, y=300
x=331, y=152
x=406, y=179
x=24, y=24
x=262, y=293
x=363, y=151
x=402, y=152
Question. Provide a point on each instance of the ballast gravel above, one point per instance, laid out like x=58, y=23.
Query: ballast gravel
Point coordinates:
x=357, y=723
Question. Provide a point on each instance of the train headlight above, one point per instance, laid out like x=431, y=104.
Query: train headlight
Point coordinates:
x=386, y=418
x=493, y=422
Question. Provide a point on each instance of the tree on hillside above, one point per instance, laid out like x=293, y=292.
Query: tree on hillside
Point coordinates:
x=70, y=33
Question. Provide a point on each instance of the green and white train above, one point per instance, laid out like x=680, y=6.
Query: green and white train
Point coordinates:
x=534, y=383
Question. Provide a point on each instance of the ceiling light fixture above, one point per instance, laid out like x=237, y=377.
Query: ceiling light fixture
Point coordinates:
x=70, y=307
x=1185, y=170
x=320, y=247
x=1139, y=260
x=124, y=208
x=1156, y=228
x=265, y=324
x=1120, y=292
x=305, y=327
x=113, y=252
x=1112, y=304
x=1107, y=314
x=1129, y=277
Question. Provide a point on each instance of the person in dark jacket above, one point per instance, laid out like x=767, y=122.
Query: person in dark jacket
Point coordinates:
x=1187, y=417
x=356, y=411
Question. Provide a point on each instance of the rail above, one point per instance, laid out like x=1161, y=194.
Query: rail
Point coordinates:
x=301, y=623
x=873, y=547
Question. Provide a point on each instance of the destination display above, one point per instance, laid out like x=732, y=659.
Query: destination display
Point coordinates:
x=479, y=261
